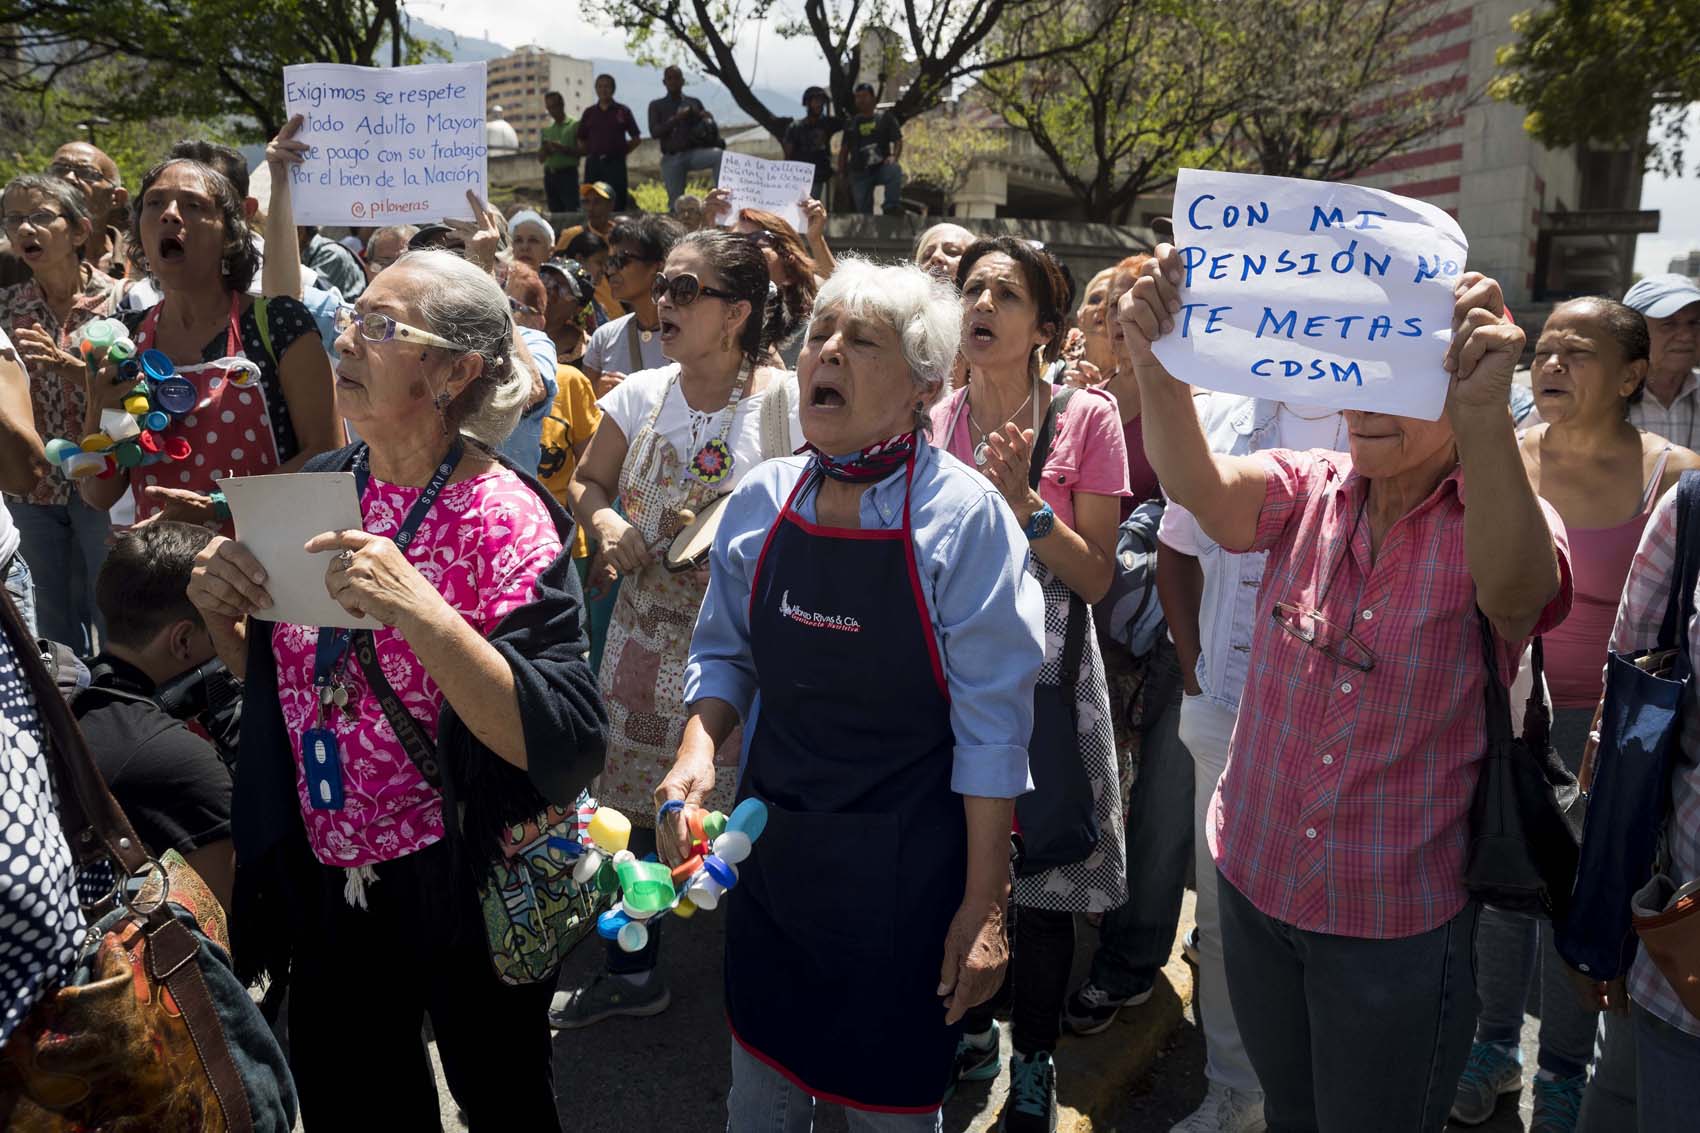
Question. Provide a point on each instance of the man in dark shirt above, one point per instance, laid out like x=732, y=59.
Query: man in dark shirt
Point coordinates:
x=683, y=126
x=607, y=132
x=169, y=781
x=810, y=138
x=872, y=147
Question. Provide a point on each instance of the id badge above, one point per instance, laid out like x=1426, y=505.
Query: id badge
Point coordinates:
x=321, y=756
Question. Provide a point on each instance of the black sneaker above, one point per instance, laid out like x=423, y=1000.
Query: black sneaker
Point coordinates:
x=1032, y=1106
x=976, y=1059
x=1092, y=1009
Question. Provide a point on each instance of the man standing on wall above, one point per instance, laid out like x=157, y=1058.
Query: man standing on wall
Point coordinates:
x=607, y=132
x=687, y=133
x=559, y=155
x=870, y=152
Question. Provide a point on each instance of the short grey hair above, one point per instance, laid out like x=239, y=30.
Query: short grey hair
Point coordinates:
x=925, y=312
x=402, y=232
x=67, y=196
x=460, y=302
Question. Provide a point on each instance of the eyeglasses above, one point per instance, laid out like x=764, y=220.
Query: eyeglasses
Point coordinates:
x=87, y=174
x=41, y=218
x=618, y=260
x=520, y=308
x=1316, y=631
x=685, y=289
x=761, y=238
x=377, y=327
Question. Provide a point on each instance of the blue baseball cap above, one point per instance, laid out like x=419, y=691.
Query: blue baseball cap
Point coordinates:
x=1661, y=296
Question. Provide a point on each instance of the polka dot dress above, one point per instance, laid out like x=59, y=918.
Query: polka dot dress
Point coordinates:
x=41, y=928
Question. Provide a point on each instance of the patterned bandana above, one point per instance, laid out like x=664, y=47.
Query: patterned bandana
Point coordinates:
x=875, y=462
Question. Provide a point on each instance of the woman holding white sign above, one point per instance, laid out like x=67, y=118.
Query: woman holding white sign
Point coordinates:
x=240, y=386
x=1340, y=825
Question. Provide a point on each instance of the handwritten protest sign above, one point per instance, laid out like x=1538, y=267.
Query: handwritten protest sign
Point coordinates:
x=391, y=145
x=1313, y=292
x=779, y=187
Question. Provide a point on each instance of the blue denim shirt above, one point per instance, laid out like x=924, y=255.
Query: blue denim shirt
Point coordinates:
x=524, y=445
x=987, y=610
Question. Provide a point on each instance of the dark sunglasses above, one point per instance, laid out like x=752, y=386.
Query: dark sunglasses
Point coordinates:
x=618, y=260
x=761, y=238
x=685, y=289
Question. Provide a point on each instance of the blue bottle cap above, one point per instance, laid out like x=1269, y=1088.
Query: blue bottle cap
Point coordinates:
x=720, y=871
x=609, y=924
x=156, y=365
x=750, y=816
x=157, y=420
x=130, y=370
x=173, y=394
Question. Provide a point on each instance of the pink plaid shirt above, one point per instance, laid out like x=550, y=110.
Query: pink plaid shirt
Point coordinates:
x=1638, y=619
x=1345, y=805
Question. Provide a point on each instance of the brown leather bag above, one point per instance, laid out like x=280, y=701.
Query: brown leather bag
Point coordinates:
x=133, y=1040
x=1667, y=920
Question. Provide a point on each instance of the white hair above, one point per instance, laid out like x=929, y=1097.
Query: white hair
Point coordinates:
x=458, y=301
x=925, y=312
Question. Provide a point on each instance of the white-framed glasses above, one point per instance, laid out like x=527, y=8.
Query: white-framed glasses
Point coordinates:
x=378, y=327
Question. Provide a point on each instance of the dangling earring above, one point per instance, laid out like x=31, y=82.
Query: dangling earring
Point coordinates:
x=725, y=342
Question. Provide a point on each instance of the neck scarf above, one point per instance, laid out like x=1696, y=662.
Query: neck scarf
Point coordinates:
x=875, y=462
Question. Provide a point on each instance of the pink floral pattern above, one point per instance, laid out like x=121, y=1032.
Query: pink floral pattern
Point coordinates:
x=482, y=545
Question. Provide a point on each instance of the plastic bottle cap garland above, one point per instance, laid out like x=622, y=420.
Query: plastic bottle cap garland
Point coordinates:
x=134, y=435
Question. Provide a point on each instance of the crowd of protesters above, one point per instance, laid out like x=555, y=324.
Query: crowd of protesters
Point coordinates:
x=946, y=456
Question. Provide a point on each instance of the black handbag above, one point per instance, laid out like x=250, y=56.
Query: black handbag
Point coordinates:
x=1055, y=821
x=1523, y=822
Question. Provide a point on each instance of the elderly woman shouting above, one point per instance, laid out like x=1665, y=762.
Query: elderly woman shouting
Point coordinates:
x=477, y=668
x=1340, y=824
x=869, y=609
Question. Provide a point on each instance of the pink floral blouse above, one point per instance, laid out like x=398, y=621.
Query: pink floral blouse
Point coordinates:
x=482, y=545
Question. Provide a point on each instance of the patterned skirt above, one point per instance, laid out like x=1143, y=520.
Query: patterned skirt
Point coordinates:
x=1098, y=883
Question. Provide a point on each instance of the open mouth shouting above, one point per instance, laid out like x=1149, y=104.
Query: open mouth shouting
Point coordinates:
x=825, y=393
x=172, y=250
x=981, y=333
x=669, y=329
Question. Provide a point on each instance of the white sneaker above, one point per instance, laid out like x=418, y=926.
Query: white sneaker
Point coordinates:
x=1224, y=1110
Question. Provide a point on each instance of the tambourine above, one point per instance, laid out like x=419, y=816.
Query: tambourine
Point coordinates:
x=689, y=548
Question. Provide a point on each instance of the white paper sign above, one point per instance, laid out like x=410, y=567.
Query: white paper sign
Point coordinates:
x=275, y=516
x=1313, y=292
x=779, y=187
x=391, y=145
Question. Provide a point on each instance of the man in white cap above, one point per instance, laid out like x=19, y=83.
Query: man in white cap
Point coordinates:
x=1670, y=401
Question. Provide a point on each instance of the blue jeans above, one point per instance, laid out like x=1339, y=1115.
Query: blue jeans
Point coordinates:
x=1348, y=1034
x=64, y=546
x=1135, y=939
x=764, y=1101
x=676, y=168
x=862, y=187
x=1646, y=1077
x=20, y=584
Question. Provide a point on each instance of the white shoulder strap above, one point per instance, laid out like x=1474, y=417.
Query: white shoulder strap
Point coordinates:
x=776, y=437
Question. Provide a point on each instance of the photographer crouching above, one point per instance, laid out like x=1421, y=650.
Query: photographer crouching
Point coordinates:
x=158, y=675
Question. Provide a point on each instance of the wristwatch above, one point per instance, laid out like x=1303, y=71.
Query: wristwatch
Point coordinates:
x=1039, y=524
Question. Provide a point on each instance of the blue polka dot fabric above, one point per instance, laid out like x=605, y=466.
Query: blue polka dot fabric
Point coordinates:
x=41, y=929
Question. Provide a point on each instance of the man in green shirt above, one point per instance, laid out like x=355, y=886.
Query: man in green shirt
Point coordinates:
x=559, y=155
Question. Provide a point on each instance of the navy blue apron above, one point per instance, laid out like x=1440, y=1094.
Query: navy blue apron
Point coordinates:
x=835, y=932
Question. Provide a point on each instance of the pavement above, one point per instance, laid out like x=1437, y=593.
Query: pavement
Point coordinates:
x=671, y=1071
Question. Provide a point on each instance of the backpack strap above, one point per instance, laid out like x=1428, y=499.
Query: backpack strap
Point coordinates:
x=776, y=421
x=1679, y=606
x=261, y=321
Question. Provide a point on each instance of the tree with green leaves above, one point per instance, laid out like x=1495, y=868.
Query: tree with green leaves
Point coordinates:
x=1329, y=85
x=204, y=59
x=1602, y=71
x=33, y=127
x=919, y=50
x=941, y=147
x=1120, y=115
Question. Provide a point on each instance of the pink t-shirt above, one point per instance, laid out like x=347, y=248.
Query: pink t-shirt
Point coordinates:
x=482, y=545
x=1088, y=452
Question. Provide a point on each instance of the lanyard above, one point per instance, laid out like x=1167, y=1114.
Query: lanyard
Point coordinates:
x=332, y=648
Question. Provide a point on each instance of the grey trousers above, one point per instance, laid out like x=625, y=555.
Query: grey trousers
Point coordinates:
x=1348, y=1034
